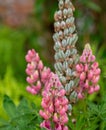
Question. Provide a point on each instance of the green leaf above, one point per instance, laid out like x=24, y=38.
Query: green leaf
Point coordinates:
x=33, y=106
x=80, y=122
x=9, y=106
x=23, y=107
x=71, y=125
x=25, y=119
x=22, y=117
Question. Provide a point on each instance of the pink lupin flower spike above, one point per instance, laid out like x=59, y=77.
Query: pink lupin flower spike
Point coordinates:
x=88, y=72
x=55, y=105
x=37, y=73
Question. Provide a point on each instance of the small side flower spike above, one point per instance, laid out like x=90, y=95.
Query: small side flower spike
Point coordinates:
x=88, y=72
x=37, y=73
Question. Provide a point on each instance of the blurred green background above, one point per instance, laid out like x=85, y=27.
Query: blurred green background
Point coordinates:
x=26, y=24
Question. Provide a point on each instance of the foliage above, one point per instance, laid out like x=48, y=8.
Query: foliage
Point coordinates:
x=25, y=116
x=93, y=118
x=14, y=42
x=15, y=89
x=21, y=117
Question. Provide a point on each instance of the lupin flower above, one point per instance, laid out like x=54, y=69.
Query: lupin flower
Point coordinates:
x=55, y=105
x=89, y=73
x=37, y=73
x=66, y=56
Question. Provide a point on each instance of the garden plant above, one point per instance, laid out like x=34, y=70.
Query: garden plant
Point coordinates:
x=64, y=95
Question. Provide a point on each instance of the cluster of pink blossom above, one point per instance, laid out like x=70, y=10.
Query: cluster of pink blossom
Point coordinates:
x=54, y=102
x=55, y=105
x=37, y=73
x=88, y=73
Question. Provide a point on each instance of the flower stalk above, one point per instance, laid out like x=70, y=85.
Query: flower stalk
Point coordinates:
x=37, y=73
x=88, y=72
x=55, y=105
x=66, y=56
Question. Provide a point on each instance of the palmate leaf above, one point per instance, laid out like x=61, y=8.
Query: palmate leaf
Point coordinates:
x=27, y=116
x=94, y=118
x=26, y=113
x=93, y=108
x=92, y=127
x=80, y=123
x=27, y=124
x=23, y=120
x=97, y=111
x=102, y=111
x=21, y=117
x=97, y=116
x=23, y=107
x=9, y=107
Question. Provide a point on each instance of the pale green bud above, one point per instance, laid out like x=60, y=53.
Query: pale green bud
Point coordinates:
x=71, y=83
x=66, y=31
x=70, y=61
x=65, y=65
x=57, y=46
x=64, y=43
x=61, y=54
x=70, y=12
x=70, y=107
x=72, y=29
x=56, y=37
x=67, y=53
x=73, y=97
x=61, y=4
x=69, y=41
x=74, y=39
x=65, y=12
x=63, y=79
x=69, y=72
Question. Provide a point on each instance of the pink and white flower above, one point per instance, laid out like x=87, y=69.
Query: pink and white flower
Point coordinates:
x=88, y=72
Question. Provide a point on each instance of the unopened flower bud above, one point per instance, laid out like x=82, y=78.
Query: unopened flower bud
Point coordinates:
x=91, y=90
x=90, y=74
x=55, y=117
x=31, y=90
x=80, y=96
x=40, y=65
x=97, y=88
x=82, y=76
